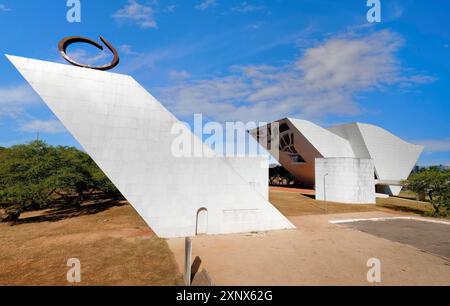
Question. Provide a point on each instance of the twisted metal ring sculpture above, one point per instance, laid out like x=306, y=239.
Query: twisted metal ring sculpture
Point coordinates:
x=66, y=42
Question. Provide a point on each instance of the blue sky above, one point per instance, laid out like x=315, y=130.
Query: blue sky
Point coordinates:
x=249, y=60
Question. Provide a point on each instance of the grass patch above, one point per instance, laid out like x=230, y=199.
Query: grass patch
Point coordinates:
x=406, y=205
x=296, y=204
x=114, y=245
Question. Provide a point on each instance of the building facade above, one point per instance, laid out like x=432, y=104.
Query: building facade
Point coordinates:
x=301, y=142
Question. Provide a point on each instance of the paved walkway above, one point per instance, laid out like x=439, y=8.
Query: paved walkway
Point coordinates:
x=429, y=237
x=316, y=253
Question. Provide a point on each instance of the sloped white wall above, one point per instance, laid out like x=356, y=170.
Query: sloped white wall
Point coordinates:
x=352, y=133
x=254, y=170
x=345, y=180
x=393, y=157
x=127, y=132
x=327, y=143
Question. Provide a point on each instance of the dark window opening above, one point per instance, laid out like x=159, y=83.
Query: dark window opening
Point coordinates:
x=297, y=159
x=283, y=128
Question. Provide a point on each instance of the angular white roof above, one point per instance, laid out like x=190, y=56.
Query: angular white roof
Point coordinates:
x=326, y=142
x=393, y=157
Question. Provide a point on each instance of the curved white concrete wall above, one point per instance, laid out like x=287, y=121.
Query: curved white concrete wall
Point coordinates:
x=393, y=157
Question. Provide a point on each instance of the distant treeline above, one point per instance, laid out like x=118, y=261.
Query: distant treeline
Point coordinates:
x=279, y=176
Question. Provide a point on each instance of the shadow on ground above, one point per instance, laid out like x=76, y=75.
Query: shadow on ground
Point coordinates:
x=200, y=278
x=61, y=210
x=403, y=209
x=430, y=237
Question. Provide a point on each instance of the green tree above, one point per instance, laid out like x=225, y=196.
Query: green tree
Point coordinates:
x=436, y=183
x=23, y=173
x=33, y=175
x=72, y=173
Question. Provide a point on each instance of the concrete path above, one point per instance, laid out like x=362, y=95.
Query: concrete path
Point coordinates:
x=316, y=253
x=426, y=236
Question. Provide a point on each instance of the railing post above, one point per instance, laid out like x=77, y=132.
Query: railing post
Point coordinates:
x=187, y=260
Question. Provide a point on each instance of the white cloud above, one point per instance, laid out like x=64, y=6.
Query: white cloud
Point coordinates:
x=245, y=7
x=147, y=60
x=43, y=126
x=179, y=74
x=4, y=8
x=127, y=49
x=397, y=12
x=206, y=4
x=13, y=103
x=171, y=8
x=136, y=13
x=322, y=81
x=352, y=63
x=394, y=10
x=84, y=57
x=20, y=94
x=255, y=26
x=435, y=145
x=13, y=99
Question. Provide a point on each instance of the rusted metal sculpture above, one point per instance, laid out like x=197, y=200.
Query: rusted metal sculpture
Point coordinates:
x=66, y=42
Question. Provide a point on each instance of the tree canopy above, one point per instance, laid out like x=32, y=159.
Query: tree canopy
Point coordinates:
x=33, y=175
x=436, y=183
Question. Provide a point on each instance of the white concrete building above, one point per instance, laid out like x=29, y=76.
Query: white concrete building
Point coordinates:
x=301, y=142
x=127, y=132
x=345, y=180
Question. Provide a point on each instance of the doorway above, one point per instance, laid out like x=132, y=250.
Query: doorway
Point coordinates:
x=202, y=221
